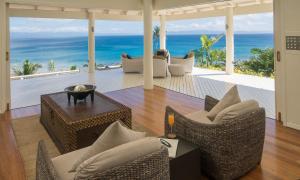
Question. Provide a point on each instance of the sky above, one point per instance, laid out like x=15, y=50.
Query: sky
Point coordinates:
x=249, y=24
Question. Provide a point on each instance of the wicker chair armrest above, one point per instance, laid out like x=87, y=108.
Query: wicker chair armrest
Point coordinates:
x=44, y=167
x=210, y=102
x=154, y=166
x=250, y=125
x=190, y=130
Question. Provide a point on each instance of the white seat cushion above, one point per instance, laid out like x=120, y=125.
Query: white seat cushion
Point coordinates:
x=63, y=163
x=176, y=69
x=230, y=98
x=236, y=110
x=115, y=135
x=117, y=156
x=199, y=116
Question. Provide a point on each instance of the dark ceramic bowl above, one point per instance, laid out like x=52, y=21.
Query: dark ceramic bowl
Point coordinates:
x=80, y=94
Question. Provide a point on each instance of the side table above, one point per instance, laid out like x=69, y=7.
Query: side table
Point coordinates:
x=186, y=165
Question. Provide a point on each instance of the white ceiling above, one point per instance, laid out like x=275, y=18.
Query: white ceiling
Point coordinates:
x=132, y=9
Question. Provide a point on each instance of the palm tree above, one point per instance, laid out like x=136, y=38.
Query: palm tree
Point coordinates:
x=207, y=43
x=156, y=34
x=27, y=68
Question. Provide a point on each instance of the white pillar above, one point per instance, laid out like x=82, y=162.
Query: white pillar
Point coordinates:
x=3, y=62
x=162, y=32
x=148, y=51
x=229, y=41
x=91, y=42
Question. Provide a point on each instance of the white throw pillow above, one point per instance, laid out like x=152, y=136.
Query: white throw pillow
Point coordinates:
x=115, y=135
x=230, y=98
x=117, y=156
x=236, y=110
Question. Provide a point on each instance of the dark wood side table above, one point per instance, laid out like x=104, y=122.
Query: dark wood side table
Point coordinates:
x=186, y=165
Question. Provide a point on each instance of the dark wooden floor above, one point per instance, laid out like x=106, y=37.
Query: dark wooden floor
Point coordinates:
x=281, y=157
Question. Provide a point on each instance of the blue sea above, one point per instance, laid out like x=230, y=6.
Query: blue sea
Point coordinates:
x=74, y=50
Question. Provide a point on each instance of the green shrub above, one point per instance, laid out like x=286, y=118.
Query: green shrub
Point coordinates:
x=73, y=67
x=260, y=63
x=27, y=68
x=51, y=66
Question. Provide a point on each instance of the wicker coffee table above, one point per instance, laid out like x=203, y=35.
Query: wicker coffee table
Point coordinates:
x=72, y=126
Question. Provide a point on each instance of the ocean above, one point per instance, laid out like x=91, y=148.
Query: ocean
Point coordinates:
x=74, y=50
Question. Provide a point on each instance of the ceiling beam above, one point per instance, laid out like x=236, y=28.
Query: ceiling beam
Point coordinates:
x=198, y=11
x=262, y=8
x=87, y=4
x=105, y=15
x=170, y=4
x=47, y=14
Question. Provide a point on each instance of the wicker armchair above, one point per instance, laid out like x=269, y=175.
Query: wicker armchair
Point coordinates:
x=154, y=166
x=228, y=150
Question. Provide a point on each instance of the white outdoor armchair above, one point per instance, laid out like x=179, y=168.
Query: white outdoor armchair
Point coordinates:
x=188, y=63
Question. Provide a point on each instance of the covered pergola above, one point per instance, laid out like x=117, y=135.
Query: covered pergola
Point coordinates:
x=129, y=10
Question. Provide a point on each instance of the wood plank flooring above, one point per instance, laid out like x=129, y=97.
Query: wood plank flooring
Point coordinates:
x=281, y=157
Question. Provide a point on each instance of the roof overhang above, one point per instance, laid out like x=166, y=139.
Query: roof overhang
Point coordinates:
x=132, y=9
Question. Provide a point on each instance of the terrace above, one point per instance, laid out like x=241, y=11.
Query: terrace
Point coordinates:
x=246, y=143
x=20, y=98
x=199, y=83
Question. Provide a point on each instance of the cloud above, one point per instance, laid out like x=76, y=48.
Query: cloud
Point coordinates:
x=252, y=23
x=50, y=20
x=197, y=24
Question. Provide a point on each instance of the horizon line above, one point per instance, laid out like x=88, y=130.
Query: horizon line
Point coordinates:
x=172, y=34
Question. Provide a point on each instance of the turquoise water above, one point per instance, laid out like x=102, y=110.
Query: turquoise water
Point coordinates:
x=74, y=51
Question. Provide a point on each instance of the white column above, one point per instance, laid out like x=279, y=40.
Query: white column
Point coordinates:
x=162, y=32
x=91, y=42
x=3, y=72
x=229, y=41
x=148, y=51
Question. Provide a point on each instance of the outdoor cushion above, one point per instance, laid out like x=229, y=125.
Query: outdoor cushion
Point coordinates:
x=190, y=54
x=117, y=156
x=159, y=57
x=116, y=134
x=199, y=116
x=161, y=52
x=236, y=110
x=63, y=163
x=176, y=69
x=230, y=98
x=128, y=56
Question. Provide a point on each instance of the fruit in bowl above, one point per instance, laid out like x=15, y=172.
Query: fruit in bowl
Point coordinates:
x=80, y=88
x=80, y=92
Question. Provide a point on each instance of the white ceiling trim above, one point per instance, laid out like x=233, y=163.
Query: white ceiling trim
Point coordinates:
x=187, y=12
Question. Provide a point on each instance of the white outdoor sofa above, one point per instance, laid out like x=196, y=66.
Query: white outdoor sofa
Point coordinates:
x=188, y=62
x=132, y=65
x=160, y=66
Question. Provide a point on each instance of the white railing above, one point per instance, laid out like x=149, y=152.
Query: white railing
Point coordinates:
x=43, y=74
